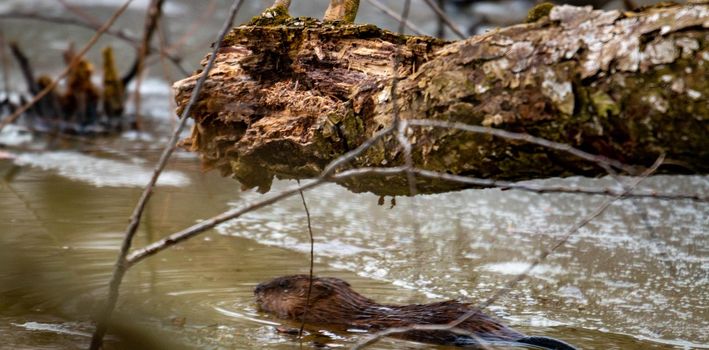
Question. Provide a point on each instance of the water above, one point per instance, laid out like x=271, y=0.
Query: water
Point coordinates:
x=636, y=278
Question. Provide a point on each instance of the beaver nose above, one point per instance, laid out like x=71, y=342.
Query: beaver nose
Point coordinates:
x=259, y=288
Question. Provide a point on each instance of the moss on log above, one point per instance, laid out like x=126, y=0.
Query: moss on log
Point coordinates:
x=288, y=95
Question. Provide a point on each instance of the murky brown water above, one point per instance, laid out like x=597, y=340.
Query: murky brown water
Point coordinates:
x=623, y=282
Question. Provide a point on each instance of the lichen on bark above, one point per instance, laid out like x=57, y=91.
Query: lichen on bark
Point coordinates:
x=287, y=98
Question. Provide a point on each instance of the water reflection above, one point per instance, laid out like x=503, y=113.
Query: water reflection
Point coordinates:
x=619, y=283
x=613, y=272
x=636, y=278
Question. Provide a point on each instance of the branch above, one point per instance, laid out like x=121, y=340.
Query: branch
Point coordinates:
x=391, y=13
x=25, y=68
x=602, y=161
x=541, y=189
x=312, y=263
x=122, y=265
x=4, y=62
x=117, y=33
x=447, y=20
x=513, y=282
x=151, y=23
x=74, y=62
x=212, y=222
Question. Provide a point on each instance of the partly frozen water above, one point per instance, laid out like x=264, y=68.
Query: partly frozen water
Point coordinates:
x=635, y=278
x=99, y=172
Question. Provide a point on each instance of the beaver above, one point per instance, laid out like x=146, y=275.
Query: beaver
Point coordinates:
x=334, y=302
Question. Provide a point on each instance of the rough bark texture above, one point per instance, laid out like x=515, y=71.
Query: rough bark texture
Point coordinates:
x=288, y=95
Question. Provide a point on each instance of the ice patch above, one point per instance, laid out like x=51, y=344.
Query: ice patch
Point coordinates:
x=573, y=292
x=51, y=327
x=97, y=171
x=518, y=267
x=332, y=248
x=13, y=135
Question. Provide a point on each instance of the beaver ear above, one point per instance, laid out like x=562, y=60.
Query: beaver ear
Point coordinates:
x=321, y=290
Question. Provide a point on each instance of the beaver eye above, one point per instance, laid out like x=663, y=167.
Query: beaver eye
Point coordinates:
x=283, y=284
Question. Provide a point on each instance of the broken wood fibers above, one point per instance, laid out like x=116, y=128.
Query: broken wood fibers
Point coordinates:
x=288, y=95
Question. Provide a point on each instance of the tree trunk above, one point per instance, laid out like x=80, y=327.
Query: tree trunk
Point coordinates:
x=289, y=95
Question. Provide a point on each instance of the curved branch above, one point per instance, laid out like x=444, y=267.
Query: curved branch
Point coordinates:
x=117, y=33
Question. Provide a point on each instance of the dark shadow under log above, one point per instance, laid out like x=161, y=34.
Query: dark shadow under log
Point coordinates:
x=289, y=95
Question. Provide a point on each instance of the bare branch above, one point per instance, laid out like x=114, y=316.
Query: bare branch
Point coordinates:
x=447, y=20
x=5, y=64
x=117, y=33
x=25, y=67
x=512, y=283
x=137, y=70
x=604, y=162
x=391, y=13
x=210, y=223
x=190, y=31
x=80, y=13
x=401, y=128
x=312, y=262
x=121, y=263
x=541, y=189
x=76, y=59
x=151, y=23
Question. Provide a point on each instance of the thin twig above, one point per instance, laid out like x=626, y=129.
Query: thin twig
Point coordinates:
x=540, y=189
x=312, y=264
x=138, y=69
x=77, y=58
x=151, y=23
x=512, y=283
x=25, y=67
x=117, y=33
x=167, y=74
x=401, y=128
x=5, y=65
x=602, y=161
x=440, y=26
x=193, y=28
x=447, y=20
x=195, y=230
x=120, y=34
x=212, y=222
x=80, y=13
x=391, y=13
x=565, y=237
x=208, y=224
x=121, y=263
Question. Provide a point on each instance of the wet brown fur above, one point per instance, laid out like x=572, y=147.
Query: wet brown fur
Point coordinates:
x=333, y=301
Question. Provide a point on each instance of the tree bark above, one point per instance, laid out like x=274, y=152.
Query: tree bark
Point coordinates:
x=288, y=95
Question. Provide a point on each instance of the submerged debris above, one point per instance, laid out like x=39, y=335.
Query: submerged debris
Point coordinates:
x=81, y=107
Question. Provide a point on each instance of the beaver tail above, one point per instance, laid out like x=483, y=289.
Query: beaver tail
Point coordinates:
x=546, y=343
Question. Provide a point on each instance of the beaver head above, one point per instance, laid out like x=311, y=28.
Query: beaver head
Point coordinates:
x=332, y=300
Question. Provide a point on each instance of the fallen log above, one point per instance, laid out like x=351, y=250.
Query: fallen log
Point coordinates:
x=289, y=95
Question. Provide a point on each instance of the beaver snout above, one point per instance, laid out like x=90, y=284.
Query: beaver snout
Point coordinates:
x=259, y=289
